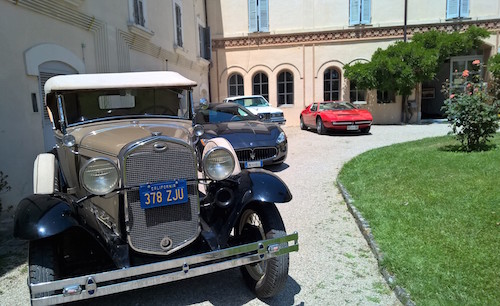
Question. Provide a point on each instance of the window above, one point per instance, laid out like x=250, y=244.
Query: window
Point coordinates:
x=457, y=67
x=356, y=94
x=258, y=16
x=285, y=88
x=138, y=12
x=178, y=24
x=359, y=12
x=235, y=85
x=331, y=85
x=457, y=9
x=261, y=85
x=205, y=42
x=384, y=96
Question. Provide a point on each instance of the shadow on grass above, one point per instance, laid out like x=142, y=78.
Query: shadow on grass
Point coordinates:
x=13, y=252
x=457, y=148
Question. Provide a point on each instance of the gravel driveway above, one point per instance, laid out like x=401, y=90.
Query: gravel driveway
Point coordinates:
x=334, y=265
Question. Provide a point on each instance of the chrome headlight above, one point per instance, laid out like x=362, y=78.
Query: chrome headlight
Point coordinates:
x=99, y=176
x=218, y=163
x=281, y=138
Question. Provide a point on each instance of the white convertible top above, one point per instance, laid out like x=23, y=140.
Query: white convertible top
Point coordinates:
x=117, y=80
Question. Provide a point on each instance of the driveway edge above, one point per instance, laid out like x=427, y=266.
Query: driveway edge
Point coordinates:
x=365, y=229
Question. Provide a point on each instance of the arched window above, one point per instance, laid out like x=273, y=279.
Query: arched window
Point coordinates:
x=285, y=88
x=331, y=84
x=235, y=85
x=356, y=94
x=261, y=85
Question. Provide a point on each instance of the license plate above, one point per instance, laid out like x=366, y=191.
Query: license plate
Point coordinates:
x=352, y=127
x=253, y=164
x=163, y=194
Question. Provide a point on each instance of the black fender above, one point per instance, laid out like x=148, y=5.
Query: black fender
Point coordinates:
x=262, y=186
x=41, y=216
x=249, y=186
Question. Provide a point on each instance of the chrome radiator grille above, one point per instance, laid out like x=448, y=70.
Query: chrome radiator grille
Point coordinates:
x=148, y=229
x=256, y=154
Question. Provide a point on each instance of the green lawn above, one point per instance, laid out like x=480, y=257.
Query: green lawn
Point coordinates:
x=435, y=213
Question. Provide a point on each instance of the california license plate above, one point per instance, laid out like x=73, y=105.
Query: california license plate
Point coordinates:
x=163, y=194
x=352, y=127
x=253, y=164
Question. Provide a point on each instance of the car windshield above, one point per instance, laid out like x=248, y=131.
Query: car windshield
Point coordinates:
x=82, y=106
x=336, y=106
x=251, y=101
x=223, y=113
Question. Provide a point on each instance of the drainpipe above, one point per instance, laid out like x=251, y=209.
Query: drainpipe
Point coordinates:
x=210, y=64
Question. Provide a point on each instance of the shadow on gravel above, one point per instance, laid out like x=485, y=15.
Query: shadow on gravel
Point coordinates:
x=277, y=168
x=221, y=288
x=13, y=252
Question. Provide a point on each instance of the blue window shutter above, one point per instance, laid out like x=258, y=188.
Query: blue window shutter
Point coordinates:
x=464, y=8
x=263, y=16
x=365, y=11
x=354, y=12
x=452, y=9
x=252, y=16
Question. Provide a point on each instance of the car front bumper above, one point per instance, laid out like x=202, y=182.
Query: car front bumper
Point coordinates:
x=105, y=283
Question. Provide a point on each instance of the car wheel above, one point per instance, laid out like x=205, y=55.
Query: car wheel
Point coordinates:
x=266, y=278
x=302, y=125
x=365, y=130
x=320, y=127
x=43, y=265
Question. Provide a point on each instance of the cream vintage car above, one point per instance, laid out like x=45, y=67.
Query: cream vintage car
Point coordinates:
x=120, y=202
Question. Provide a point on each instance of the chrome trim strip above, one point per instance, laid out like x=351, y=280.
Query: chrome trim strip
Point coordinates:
x=176, y=269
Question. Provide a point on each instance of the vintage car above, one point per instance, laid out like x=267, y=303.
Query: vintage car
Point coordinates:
x=335, y=116
x=119, y=203
x=259, y=106
x=256, y=143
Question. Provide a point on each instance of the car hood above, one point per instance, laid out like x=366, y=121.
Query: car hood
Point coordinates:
x=244, y=134
x=351, y=114
x=263, y=109
x=111, y=137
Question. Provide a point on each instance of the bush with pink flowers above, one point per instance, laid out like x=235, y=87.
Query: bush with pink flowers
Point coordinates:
x=470, y=110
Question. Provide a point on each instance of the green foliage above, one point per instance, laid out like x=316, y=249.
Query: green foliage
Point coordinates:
x=494, y=84
x=4, y=186
x=451, y=44
x=401, y=66
x=473, y=120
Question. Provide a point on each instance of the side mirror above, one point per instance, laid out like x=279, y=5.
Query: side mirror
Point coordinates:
x=261, y=117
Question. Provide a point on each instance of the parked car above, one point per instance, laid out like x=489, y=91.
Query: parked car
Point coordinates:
x=335, y=116
x=259, y=106
x=256, y=143
x=119, y=205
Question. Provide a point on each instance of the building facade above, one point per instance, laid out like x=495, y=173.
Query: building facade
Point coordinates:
x=46, y=38
x=293, y=52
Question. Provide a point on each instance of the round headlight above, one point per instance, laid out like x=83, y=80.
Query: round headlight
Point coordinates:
x=218, y=163
x=99, y=176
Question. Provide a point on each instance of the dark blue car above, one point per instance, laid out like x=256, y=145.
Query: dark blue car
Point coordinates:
x=256, y=143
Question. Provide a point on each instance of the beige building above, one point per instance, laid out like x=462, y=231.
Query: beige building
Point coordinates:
x=294, y=51
x=45, y=38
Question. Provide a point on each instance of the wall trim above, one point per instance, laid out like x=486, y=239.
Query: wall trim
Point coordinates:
x=39, y=54
x=351, y=34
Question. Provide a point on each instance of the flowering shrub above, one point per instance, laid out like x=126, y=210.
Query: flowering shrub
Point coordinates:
x=472, y=113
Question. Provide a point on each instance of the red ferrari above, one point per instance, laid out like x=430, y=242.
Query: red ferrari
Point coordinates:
x=336, y=116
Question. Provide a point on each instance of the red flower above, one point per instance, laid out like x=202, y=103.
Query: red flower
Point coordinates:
x=476, y=62
x=452, y=96
x=465, y=73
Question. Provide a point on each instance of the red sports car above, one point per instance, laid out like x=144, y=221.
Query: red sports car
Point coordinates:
x=335, y=115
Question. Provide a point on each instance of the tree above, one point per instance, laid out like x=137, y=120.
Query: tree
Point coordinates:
x=402, y=66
